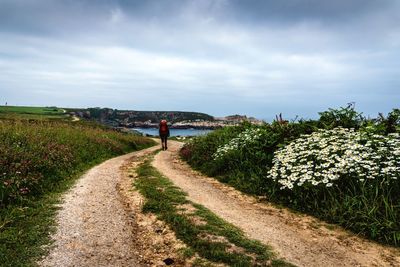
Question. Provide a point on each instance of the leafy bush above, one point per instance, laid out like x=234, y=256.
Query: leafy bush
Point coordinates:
x=346, y=117
x=391, y=123
x=238, y=155
x=383, y=125
x=341, y=168
x=199, y=151
x=343, y=176
x=328, y=155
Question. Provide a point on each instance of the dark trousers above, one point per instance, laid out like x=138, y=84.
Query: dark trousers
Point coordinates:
x=164, y=141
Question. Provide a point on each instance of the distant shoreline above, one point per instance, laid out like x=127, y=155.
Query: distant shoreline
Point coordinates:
x=173, y=131
x=182, y=127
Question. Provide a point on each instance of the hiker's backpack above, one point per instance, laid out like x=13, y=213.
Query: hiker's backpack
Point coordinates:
x=163, y=127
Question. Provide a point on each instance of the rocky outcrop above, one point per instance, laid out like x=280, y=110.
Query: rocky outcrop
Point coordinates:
x=150, y=119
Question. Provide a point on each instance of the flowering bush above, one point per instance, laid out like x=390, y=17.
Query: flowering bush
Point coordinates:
x=244, y=139
x=238, y=155
x=325, y=156
x=199, y=150
x=345, y=176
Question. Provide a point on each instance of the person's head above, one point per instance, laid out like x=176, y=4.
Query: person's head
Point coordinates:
x=163, y=122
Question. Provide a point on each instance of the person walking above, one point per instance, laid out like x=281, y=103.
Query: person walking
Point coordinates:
x=163, y=130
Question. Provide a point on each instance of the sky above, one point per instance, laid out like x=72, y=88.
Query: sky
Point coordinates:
x=221, y=57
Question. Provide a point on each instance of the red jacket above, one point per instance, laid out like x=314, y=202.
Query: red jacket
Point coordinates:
x=163, y=128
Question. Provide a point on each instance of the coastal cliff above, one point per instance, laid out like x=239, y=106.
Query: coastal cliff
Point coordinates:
x=150, y=119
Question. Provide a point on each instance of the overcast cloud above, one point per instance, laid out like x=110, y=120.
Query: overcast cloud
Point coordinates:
x=216, y=56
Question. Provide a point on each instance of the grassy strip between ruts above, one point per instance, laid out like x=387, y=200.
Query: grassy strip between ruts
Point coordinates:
x=202, y=231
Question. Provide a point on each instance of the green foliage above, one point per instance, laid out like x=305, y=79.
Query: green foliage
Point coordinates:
x=38, y=161
x=199, y=150
x=36, y=155
x=242, y=158
x=346, y=117
x=383, y=125
x=391, y=123
x=244, y=167
x=166, y=200
x=25, y=228
x=343, y=176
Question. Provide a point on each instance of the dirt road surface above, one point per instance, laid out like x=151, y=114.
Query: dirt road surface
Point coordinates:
x=93, y=227
x=301, y=240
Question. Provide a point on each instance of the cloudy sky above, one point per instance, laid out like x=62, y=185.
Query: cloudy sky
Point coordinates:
x=254, y=57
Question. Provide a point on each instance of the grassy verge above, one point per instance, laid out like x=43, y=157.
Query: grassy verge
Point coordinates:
x=38, y=161
x=293, y=166
x=26, y=227
x=203, y=232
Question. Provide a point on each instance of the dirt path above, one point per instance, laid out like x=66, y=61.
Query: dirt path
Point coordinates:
x=301, y=240
x=75, y=118
x=94, y=229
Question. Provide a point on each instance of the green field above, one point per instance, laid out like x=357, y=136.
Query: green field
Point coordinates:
x=32, y=110
x=32, y=113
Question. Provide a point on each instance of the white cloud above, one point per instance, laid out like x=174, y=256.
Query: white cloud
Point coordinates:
x=199, y=58
x=116, y=15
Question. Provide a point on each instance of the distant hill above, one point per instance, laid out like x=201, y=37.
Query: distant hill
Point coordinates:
x=114, y=116
x=125, y=118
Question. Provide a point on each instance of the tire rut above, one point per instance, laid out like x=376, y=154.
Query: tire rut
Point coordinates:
x=299, y=239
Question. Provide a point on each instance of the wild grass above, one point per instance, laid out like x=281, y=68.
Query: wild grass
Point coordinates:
x=38, y=161
x=213, y=239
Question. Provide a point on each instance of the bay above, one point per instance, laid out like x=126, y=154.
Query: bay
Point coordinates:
x=173, y=132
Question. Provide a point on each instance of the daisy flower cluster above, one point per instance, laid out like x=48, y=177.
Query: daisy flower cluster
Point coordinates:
x=245, y=138
x=325, y=156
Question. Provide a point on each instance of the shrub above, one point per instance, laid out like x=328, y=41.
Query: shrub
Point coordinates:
x=346, y=117
x=342, y=168
x=343, y=176
x=199, y=151
x=328, y=155
x=238, y=155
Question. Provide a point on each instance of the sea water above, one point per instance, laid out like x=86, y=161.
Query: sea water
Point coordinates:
x=173, y=132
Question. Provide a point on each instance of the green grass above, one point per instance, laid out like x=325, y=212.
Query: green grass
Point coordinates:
x=32, y=110
x=39, y=160
x=25, y=228
x=183, y=139
x=32, y=113
x=213, y=239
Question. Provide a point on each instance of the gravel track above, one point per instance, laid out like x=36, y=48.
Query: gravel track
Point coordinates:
x=93, y=228
x=300, y=239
